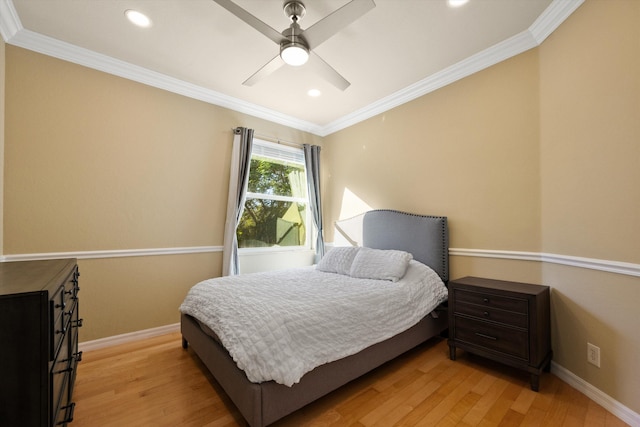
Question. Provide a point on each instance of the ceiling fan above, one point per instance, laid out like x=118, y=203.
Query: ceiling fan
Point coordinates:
x=296, y=44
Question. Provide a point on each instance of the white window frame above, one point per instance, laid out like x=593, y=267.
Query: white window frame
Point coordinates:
x=295, y=155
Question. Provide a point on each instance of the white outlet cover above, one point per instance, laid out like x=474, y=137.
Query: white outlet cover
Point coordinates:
x=593, y=354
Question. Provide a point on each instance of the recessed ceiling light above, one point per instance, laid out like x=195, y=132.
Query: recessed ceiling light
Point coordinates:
x=138, y=18
x=457, y=3
x=314, y=92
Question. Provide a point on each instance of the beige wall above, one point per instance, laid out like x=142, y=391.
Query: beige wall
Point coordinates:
x=536, y=154
x=540, y=153
x=476, y=139
x=468, y=151
x=590, y=151
x=96, y=162
x=590, y=133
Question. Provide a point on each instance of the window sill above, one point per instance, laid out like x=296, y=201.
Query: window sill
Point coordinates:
x=253, y=260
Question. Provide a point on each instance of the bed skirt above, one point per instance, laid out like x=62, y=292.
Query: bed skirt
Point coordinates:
x=264, y=403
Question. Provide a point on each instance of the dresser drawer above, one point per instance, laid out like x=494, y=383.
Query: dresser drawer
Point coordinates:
x=489, y=313
x=60, y=373
x=61, y=399
x=63, y=379
x=510, y=341
x=487, y=299
x=61, y=304
x=58, y=321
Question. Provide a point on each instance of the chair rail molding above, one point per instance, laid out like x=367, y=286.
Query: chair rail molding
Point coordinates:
x=627, y=268
x=610, y=266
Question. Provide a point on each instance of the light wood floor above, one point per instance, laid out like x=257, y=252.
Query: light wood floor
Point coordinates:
x=155, y=382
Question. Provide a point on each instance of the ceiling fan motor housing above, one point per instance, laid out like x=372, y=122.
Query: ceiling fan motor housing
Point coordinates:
x=294, y=10
x=296, y=47
x=294, y=50
x=293, y=34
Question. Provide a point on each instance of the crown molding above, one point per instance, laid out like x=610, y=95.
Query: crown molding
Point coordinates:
x=488, y=57
x=555, y=14
x=13, y=33
x=552, y=17
x=58, y=49
x=9, y=20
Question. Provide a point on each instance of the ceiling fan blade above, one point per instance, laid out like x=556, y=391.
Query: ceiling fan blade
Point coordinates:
x=328, y=73
x=251, y=20
x=331, y=24
x=263, y=72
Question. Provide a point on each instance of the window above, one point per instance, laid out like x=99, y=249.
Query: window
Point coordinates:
x=276, y=208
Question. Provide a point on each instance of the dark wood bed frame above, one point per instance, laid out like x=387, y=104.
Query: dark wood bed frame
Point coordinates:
x=426, y=237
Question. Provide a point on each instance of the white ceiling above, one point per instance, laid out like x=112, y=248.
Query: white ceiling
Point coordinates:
x=396, y=52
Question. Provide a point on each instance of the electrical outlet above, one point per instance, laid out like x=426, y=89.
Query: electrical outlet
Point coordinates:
x=593, y=354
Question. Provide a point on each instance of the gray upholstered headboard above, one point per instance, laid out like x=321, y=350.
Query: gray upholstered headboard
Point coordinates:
x=426, y=237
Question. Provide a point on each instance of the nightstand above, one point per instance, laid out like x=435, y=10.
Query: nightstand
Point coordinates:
x=504, y=321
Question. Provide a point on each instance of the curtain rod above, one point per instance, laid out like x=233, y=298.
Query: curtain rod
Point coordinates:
x=275, y=140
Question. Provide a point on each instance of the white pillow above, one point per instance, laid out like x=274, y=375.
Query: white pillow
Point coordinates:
x=380, y=264
x=338, y=260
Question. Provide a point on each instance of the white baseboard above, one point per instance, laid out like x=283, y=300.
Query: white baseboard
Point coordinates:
x=607, y=402
x=127, y=338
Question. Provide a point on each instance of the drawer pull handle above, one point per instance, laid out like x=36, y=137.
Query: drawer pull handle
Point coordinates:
x=486, y=314
x=485, y=300
x=68, y=416
x=61, y=371
x=63, y=305
x=62, y=331
x=489, y=337
x=78, y=356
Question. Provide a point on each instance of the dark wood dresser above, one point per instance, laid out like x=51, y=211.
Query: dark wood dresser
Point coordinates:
x=39, y=342
x=508, y=322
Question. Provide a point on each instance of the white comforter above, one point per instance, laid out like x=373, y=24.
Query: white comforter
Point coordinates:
x=279, y=325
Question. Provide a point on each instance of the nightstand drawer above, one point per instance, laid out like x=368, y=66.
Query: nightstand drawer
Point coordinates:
x=491, y=300
x=508, y=322
x=510, y=341
x=496, y=315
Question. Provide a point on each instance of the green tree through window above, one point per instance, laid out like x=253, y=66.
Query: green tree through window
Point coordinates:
x=275, y=210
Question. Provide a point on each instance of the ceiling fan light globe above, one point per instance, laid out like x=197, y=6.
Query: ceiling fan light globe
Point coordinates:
x=294, y=54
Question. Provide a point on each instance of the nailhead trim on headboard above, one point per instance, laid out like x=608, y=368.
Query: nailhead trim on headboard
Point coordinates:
x=444, y=237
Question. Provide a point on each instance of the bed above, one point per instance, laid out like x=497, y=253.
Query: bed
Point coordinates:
x=264, y=402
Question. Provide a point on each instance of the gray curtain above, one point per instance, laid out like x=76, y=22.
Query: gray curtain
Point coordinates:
x=312, y=163
x=238, y=182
